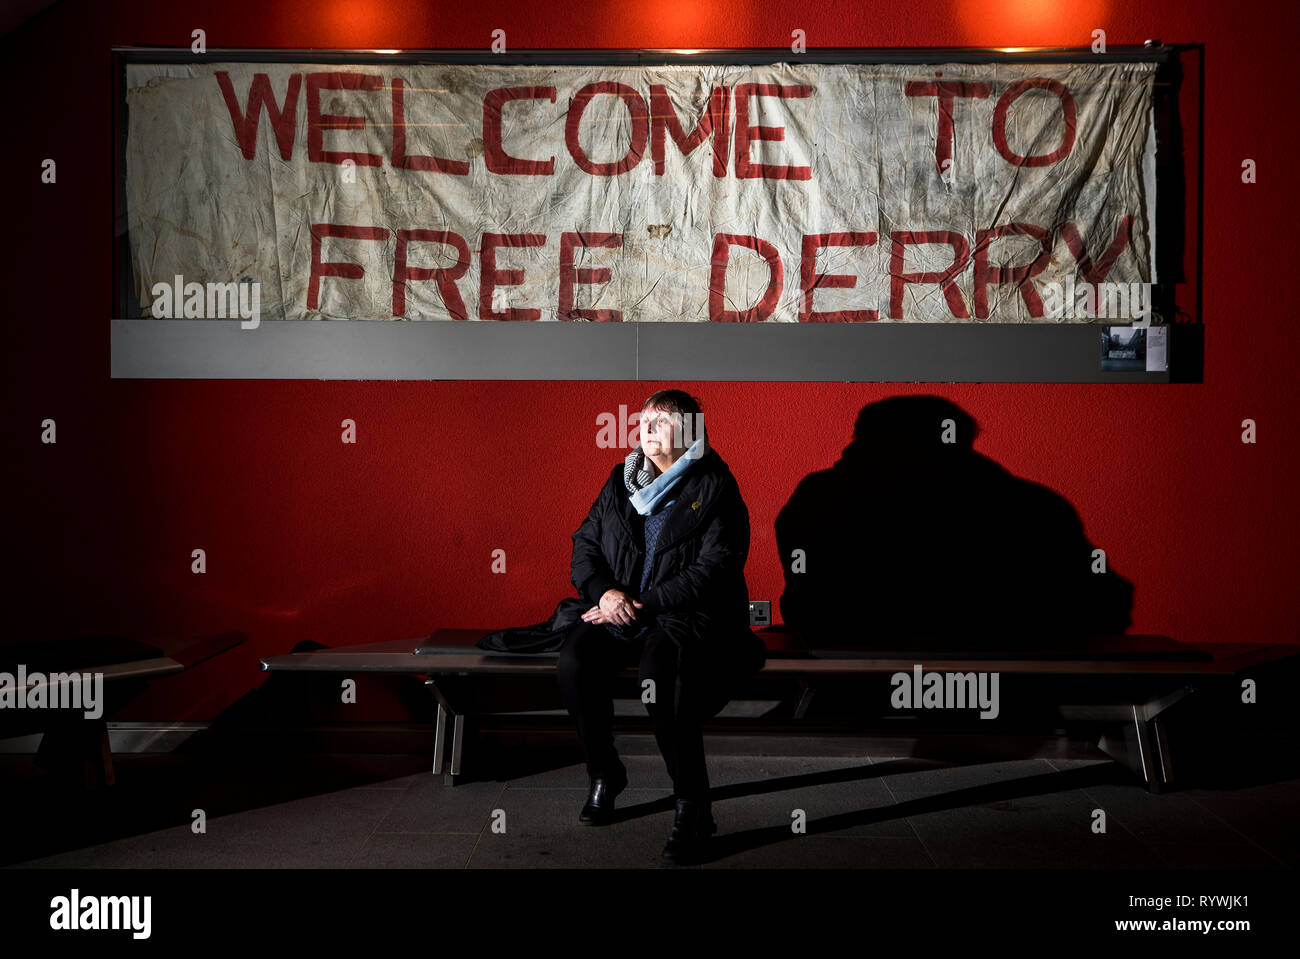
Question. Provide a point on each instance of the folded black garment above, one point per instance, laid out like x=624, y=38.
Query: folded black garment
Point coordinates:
x=544, y=637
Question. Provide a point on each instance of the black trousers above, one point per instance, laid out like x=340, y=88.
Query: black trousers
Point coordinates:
x=685, y=699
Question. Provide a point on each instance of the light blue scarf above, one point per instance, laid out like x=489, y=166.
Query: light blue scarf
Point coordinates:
x=647, y=491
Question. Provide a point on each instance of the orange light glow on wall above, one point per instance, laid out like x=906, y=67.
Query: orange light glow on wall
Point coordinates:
x=1034, y=23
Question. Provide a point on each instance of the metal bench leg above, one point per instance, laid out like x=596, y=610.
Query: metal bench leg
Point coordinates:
x=806, y=693
x=453, y=775
x=1154, y=739
x=451, y=726
x=439, y=737
x=1145, y=747
x=447, y=761
x=1164, y=758
x=103, y=763
x=1148, y=754
x=79, y=750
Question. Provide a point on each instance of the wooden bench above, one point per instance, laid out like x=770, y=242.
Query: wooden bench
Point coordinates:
x=1128, y=681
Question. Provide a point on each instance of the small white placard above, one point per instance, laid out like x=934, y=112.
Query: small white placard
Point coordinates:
x=1157, y=349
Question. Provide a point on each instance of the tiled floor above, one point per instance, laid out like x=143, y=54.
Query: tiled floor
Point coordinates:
x=346, y=811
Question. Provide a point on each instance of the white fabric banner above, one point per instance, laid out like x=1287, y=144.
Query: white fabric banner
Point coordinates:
x=779, y=193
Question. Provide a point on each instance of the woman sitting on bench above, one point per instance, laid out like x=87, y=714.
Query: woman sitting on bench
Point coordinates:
x=661, y=556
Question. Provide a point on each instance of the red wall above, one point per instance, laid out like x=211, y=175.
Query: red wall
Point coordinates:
x=307, y=538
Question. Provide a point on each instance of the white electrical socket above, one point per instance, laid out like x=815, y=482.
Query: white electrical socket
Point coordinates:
x=760, y=613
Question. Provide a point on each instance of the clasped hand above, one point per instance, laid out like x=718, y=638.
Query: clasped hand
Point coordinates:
x=615, y=607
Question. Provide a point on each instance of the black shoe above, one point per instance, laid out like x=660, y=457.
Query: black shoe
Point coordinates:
x=691, y=830
x=599, y=807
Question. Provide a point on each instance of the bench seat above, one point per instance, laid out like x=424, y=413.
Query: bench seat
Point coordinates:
x=1128, y=680
x=127, y=666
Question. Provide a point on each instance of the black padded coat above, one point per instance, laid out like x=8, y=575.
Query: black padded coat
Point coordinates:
x=696, y=591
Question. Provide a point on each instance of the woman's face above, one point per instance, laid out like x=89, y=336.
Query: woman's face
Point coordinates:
x=657, y=434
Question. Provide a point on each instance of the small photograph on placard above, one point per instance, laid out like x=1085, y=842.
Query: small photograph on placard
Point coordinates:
x=1123, y=349
x=1158, y=349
